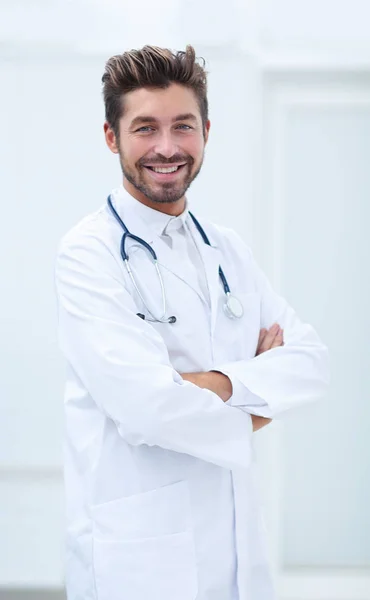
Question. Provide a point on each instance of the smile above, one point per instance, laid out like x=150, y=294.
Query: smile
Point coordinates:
x=165, y=172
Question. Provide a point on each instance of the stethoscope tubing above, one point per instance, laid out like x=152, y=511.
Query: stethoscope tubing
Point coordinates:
x=127, y=234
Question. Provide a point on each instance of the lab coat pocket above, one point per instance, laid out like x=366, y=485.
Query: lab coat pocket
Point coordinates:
x=161, y=568
x=162, y=511
x=237, y=339
x=143, y=546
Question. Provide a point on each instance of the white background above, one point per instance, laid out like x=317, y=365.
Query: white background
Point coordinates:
x=287, y=166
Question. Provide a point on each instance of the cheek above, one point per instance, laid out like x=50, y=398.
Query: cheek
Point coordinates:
x=194, y=147
x=133, y=150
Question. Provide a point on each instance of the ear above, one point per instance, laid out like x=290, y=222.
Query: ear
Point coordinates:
x=206, y=131
x=110, y=138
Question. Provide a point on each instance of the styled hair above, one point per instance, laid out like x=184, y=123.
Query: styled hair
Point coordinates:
x=151, y=67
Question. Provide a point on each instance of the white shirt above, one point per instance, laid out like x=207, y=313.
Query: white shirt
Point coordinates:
x=177, y=234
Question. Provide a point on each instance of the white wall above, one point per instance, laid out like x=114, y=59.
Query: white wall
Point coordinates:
x=289, y=91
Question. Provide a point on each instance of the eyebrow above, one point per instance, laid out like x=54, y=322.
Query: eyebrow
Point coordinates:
x=144, y=119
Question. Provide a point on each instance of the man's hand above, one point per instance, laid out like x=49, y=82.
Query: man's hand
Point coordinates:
x=270, y=339
x=221, y=385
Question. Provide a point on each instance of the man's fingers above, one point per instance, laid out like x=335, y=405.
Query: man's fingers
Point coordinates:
x=278, y=341
x=262, y=336
x=269, y=338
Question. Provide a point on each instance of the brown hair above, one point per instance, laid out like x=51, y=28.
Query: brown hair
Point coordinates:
x=151, y=67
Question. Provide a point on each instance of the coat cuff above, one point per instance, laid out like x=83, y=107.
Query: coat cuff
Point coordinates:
x=242, y=396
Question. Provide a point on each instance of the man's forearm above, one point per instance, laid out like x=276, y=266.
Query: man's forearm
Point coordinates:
x=214, y=381
x=221, y=385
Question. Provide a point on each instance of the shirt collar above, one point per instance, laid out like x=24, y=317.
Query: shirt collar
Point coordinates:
x=155, y=220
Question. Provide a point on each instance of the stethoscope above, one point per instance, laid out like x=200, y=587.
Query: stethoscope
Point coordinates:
x=233, y=307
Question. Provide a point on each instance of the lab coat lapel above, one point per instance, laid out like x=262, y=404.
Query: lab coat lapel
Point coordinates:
x=211, y=257
x=182, y=269
x=167, y=259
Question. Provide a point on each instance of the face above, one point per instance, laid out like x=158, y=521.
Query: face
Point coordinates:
x=161, y=143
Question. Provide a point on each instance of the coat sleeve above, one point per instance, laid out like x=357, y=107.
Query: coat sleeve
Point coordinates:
x=124, y=364
x=285, y=377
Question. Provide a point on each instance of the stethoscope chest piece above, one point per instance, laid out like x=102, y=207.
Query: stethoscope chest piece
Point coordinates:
x=233, y=307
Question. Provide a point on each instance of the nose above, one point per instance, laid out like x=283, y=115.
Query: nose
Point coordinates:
x=165, y=144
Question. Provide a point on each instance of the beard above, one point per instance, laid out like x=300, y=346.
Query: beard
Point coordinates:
x=166, y=192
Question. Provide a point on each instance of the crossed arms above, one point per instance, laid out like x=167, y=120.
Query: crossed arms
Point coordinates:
x=220, y=384
x=124, y=363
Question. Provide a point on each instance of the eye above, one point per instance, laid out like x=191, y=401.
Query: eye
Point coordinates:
x=183, y=125
x=144, y=129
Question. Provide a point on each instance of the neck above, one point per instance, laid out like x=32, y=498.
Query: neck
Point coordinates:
x=169, y=208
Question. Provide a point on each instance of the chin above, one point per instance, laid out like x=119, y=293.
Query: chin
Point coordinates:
x=166, y=199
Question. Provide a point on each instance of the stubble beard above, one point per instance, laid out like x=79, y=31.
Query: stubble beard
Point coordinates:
x=168, y=192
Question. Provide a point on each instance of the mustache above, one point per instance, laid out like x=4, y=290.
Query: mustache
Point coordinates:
x=162, y=160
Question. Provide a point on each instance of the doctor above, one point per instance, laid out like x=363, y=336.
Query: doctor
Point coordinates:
x=166, y=324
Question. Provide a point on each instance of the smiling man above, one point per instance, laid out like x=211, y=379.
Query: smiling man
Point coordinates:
x=161, y=151
x=178, y=350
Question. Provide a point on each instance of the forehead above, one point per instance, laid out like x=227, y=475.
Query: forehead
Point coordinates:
x=162, y=104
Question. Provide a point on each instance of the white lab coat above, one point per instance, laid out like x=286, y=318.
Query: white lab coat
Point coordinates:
x=157, y=469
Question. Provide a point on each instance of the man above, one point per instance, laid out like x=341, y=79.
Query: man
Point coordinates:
x=174, y=345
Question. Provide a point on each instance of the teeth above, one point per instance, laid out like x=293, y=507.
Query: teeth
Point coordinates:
x=168, y=170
